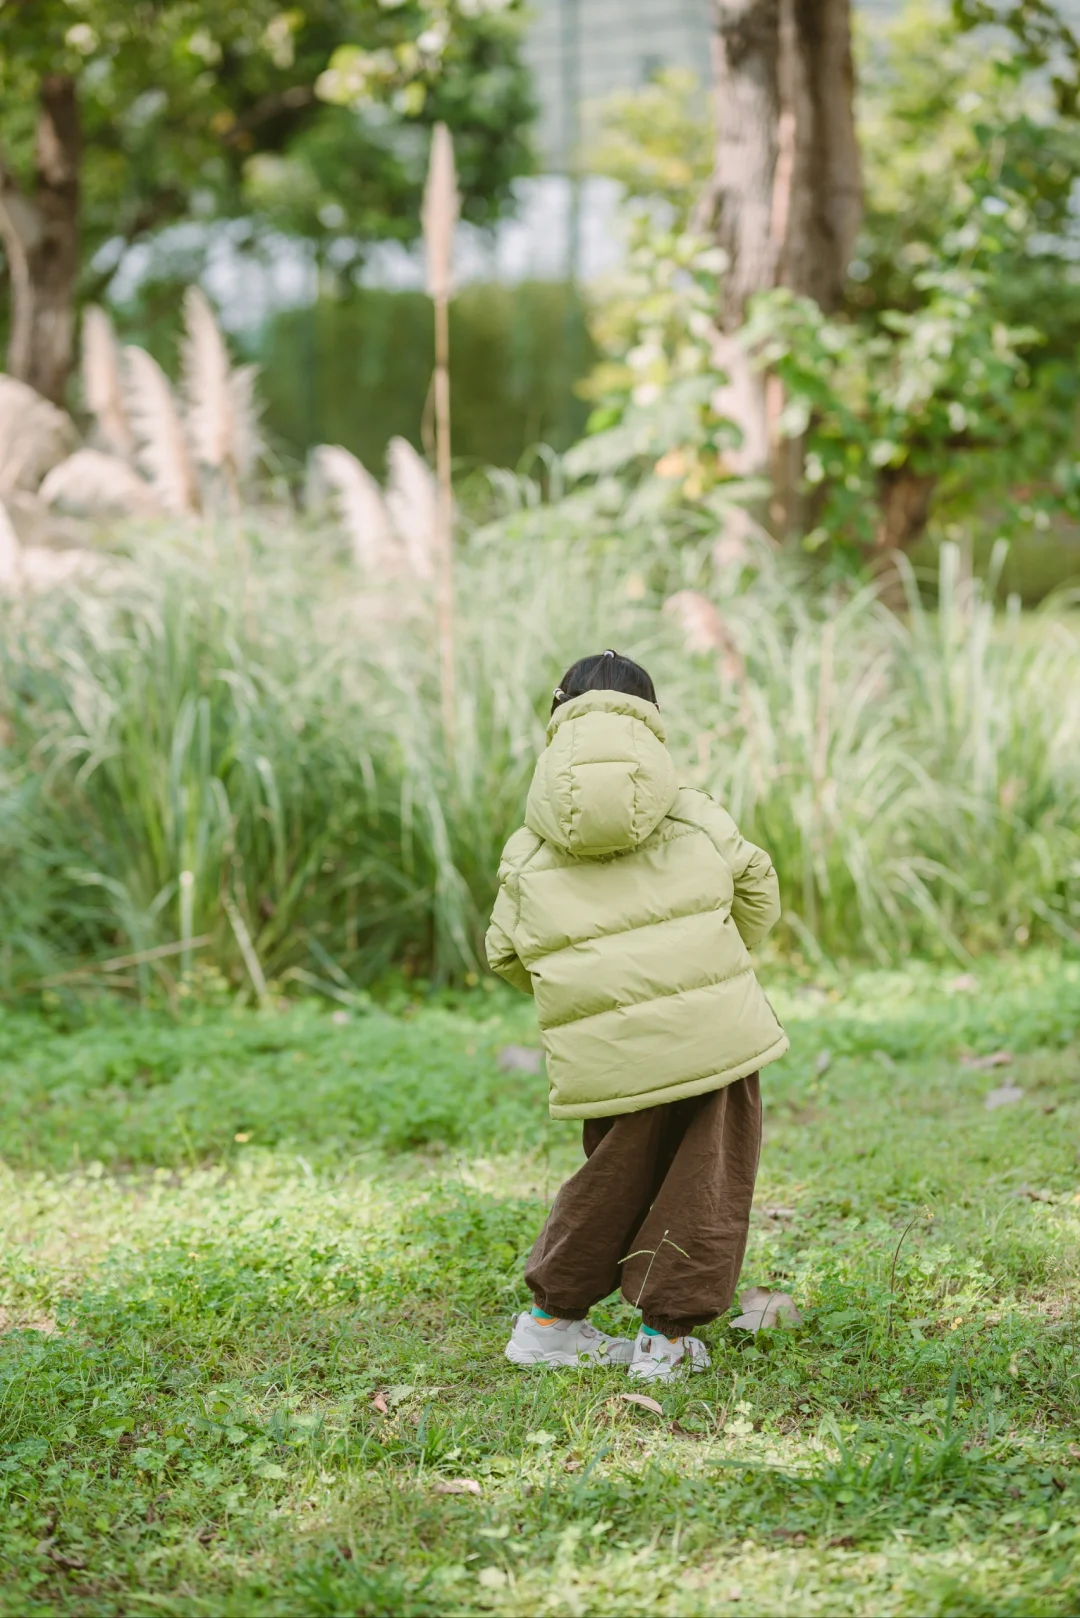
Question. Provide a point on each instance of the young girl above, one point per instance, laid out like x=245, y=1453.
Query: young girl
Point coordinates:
x=627, y=906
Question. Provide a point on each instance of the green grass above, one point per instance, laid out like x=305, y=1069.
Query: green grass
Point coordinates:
x=235, y=742
x=194, y=1327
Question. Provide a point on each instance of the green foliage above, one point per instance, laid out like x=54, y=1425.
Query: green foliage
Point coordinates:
x=357, y=372
x=236, y=707
x=658, y=143
x=195, y=1329
x=192, y=109
x=964, y=156
x=935, y=393
x=1042, y=40
x=653, y=319
x=953, y=364
x=956, y=362
x=118, y=1087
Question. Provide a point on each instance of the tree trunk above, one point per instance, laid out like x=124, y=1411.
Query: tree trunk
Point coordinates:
x=786, y=185
x=904, y=499
x=786, y=191
x=40, y=235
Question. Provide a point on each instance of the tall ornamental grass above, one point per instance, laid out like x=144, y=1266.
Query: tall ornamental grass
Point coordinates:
x=230, y=755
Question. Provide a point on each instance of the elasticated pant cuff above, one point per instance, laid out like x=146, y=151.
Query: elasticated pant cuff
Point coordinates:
x=672, y=1328
x=561, y=1311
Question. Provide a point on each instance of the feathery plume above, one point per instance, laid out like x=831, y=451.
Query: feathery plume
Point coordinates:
x=442, y=205
x=439, y=216
x=248, y=441
x=359, y=502
x=222, y=417
x=412, y=501
x=34, y=435
x=163, y=447
x=93, y=484
x=704, y=630
x=103, y=383
x=207, y=392
x=9, y=552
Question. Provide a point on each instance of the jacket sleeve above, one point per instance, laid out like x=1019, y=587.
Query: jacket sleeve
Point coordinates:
x=755, y=909
x=501, y=954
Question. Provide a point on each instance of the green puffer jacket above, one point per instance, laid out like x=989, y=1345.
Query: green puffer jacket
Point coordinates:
x=626, y=906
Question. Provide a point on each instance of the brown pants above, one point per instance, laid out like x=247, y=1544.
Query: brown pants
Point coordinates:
x=662, y=1205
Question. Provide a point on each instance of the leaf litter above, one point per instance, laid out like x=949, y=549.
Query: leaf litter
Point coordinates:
x=644, y=1401
x=763, y=1309
x=1004, y=1096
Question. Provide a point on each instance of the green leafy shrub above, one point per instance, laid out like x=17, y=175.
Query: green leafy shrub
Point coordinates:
x=357, y=371
x=232, y=743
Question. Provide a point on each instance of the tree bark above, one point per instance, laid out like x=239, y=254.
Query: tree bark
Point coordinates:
x=786, y=195
x=904, y=499
x=40, y=235
x=786, y=187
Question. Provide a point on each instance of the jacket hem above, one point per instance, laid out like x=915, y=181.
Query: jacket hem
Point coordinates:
x=671, y=1092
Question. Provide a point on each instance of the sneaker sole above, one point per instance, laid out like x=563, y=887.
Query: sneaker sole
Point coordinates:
x=680, y=1368
x=533, y=1356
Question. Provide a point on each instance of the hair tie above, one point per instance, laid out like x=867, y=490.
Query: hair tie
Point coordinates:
x=609, y=653
x=558, y=693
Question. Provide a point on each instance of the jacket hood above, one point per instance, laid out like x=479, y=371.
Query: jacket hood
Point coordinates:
x=605, y=780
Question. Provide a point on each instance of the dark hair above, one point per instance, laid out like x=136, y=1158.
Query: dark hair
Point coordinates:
x=606, y=671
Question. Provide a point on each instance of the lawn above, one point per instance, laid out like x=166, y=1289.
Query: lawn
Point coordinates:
x=257, y=1271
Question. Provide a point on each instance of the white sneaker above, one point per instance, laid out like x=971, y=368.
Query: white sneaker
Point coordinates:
x=658, y=1357
x=566, y=1342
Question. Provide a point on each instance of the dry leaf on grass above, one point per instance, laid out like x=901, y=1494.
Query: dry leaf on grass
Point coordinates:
x=778, y=1213
x=520, y=1059
x=822, y=1062
x=985, y=1063
x=458, y=1486
x=679, y=1431
x=378, y=1403
x=966, y=983
x=644, y=1401
x=763, y=1309
x=67, y=1562
x=1004, y=1097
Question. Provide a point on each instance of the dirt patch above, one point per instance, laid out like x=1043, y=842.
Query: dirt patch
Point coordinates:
x=11, y=1320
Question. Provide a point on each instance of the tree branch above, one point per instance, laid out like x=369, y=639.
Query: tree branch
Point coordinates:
x=295, y=99
x=20, y=221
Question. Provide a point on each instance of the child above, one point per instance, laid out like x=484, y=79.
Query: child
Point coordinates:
x=626, y=906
